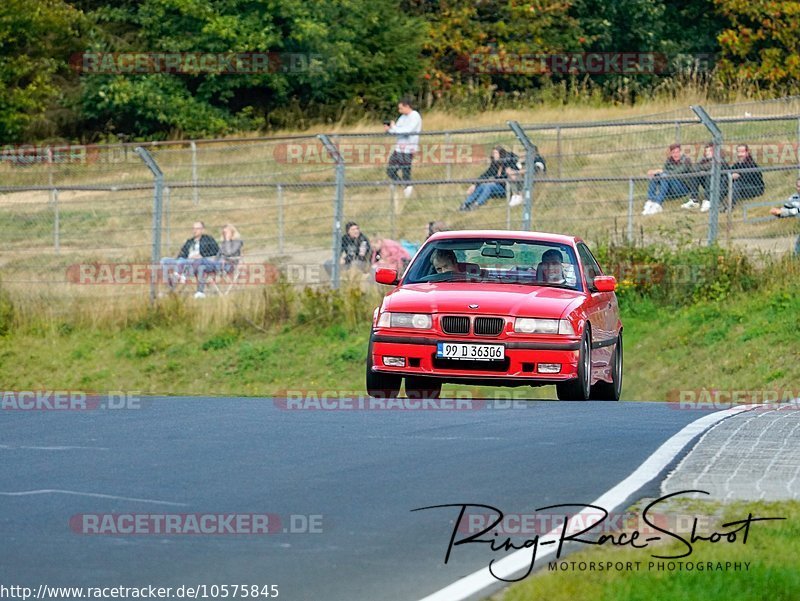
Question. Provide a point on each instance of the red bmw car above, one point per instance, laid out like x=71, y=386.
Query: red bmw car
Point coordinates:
x=498, y=308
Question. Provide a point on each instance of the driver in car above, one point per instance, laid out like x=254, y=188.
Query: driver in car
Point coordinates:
x=552, y=267
x=444, y=260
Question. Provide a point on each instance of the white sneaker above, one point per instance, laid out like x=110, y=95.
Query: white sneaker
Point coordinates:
x=182, y=278
x=651, y=208
x=706, y=206
x=690, y=204
x=199, y=294
x=516, y=200
x=408, y=191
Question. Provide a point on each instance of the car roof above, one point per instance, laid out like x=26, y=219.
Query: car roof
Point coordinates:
x=520, y=235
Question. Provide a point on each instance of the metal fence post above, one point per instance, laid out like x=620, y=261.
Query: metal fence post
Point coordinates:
x=530, y=159
x=338, y=206
x=158, y=186
x=280, y=219
x=195, y=191
x=729, y=210
x=167, y=219
x=56, y=221
x=716, y=139
x=558, y=151
x=448, y=168
x=394, y=209
x=630, y=211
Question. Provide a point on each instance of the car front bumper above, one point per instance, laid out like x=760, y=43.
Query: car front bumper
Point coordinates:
x=521, y=363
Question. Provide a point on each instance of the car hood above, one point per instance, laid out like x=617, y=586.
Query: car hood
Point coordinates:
x=492, y=299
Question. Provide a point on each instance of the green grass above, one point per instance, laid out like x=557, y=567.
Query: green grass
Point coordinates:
x=744, y=342
x=772, y=549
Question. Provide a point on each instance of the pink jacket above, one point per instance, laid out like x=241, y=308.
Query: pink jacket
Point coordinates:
x=391, y=254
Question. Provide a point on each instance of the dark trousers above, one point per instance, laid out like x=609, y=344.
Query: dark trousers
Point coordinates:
x=704, y=181
x=400, y=161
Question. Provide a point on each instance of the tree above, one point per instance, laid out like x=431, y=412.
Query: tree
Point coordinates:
x=321, y=54
x=37, y=38
x=760, y=47
x=486, y=43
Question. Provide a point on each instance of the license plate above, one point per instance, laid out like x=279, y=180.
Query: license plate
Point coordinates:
x=472, y=352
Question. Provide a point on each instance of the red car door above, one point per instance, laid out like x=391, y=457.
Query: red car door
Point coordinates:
x=602, y=310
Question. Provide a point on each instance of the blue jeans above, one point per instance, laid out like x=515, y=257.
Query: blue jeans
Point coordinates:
x=659, y=189
x=208, y=266
x=177, y=266
x=484, y=192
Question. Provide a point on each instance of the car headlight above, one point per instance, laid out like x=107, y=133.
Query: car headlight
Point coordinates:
x=531, y=325
x=418, y=321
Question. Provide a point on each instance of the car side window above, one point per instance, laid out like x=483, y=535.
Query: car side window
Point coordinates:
x=590, y=267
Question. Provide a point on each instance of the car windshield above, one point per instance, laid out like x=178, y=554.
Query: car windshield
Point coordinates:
x=507, y=261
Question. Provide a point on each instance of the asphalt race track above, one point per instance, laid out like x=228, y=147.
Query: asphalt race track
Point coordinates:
x=354, y=476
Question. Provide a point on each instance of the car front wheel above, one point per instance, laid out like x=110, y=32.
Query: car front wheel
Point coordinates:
x=579, y=388
x=611, y=391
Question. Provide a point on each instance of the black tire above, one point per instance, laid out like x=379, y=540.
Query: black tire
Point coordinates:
x=423, y=388
x=611, y=391
x=381, y=385
x=579, y=389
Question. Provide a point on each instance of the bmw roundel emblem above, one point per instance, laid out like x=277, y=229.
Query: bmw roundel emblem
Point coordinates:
x=473, y=306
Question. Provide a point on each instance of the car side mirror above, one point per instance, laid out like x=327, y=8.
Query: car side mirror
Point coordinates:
x=605, y=283
x=386, y=275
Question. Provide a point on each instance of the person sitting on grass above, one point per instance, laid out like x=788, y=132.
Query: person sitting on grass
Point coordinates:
x=791, y=208
x=389, y=253
x=661, y=188
x=199, y=246
x=499, y=169
x=749, y=184
x=354, y=250
x=230, y=251
x=704, y=181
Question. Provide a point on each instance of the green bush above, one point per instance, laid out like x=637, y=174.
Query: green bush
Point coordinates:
x=677, y=276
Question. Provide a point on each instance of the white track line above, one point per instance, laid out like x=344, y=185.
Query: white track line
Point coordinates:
x=519, y=561
x=50, y=491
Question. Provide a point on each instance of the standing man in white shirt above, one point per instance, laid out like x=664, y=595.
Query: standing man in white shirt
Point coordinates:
x=407, y=129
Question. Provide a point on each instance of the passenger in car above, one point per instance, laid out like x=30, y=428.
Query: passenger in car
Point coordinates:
x=551, y=269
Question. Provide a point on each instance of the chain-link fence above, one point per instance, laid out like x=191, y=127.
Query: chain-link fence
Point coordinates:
x=290, y=197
